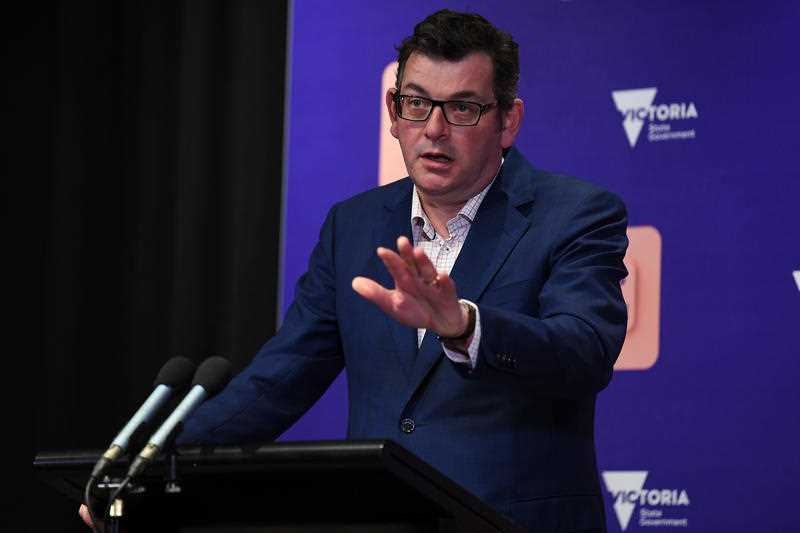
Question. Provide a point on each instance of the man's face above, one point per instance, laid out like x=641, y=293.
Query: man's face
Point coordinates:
x=449, y=164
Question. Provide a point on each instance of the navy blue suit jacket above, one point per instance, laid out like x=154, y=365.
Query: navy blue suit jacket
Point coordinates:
x=543, y=261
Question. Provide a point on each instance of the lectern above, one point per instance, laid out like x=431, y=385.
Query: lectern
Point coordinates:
x=336, y=486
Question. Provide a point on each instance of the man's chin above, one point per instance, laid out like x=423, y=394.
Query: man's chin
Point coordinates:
x=439, y=194
x=435, y=176
x=433, y=183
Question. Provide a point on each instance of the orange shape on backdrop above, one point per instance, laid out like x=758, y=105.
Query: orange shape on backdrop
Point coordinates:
x=642, y=293
x=390, y=160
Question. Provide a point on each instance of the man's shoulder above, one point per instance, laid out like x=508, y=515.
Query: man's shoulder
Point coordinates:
x=523, y=180
x=388, y=195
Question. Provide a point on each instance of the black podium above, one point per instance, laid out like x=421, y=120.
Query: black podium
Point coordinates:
x=338, y=486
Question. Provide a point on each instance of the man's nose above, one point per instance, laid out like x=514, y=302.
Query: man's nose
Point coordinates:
x=437, y=126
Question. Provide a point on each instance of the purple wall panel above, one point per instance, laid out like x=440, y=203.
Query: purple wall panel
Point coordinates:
x=714, y=418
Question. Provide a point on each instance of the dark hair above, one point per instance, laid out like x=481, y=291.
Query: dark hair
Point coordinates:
x=452, y=36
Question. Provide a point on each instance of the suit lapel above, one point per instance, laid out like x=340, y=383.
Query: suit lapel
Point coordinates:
x=397, y=222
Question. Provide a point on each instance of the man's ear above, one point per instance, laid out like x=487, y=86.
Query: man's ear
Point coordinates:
x=392, y=112
x=512, y=122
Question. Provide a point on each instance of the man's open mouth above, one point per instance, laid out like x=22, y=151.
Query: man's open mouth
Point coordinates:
x=438, y=157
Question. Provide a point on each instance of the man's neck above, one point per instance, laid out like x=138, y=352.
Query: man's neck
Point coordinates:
x=440, y=210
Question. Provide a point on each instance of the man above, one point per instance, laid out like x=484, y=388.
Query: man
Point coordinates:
x=481, y=342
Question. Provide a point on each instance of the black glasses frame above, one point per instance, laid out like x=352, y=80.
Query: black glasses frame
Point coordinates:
x=482, y=108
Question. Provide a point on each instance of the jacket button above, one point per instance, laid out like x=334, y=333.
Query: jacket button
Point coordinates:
x=407, y=425
x=507, y=360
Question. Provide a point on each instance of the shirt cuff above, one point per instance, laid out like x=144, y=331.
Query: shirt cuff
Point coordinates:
x=471, y=357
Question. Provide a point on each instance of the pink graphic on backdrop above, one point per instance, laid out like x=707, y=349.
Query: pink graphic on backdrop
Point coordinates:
x=390, y=161
x=642, y=293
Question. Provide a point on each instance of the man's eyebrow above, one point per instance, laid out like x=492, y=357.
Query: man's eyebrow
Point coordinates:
x=460, y=95
x=464, y=94
x=416, y=88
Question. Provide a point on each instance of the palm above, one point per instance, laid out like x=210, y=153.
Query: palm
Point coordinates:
x=409, y=310
x=422, y=298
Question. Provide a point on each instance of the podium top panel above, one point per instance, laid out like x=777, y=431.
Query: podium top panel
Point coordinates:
x=378, y=480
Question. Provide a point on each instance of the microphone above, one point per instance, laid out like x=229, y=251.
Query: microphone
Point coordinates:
x=210, y=378
x=173, y=375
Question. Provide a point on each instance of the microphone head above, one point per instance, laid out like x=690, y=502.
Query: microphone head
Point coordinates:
x=213, y=374
x=175, y=372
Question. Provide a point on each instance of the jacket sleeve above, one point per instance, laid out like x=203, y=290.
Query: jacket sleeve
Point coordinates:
x=570, y=348
x=290, y=372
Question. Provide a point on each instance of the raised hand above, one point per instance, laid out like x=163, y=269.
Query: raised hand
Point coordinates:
x=421, y=298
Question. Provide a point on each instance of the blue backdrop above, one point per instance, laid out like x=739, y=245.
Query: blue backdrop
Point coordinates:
x=689, y=111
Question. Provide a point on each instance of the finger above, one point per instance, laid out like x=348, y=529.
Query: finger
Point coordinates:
x=394, y=263
x=423, y=274
x=441, y=295
x=406, y=251
x=83, y=511
x=426, y=270
x=446, y=312
x=446, y=285
x=403, y=278
x=404, y=309
x=372, y=291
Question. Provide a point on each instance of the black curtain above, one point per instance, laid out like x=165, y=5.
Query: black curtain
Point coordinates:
x=144, y=193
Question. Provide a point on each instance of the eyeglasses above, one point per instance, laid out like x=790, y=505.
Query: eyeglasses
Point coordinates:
x=456, y=112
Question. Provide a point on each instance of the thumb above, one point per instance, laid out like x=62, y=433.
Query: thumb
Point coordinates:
x=369, y=289
x=373, y=292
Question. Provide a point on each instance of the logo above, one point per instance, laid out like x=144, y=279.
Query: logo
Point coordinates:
x=628, y=491
x=797, y=278
x=637, y=108
x=621, y=484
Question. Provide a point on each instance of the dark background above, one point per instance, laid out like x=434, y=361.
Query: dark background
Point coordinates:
x=143, y=193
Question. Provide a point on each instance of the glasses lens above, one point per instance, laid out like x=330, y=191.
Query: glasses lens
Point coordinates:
x=462, y=113
x=414, y=108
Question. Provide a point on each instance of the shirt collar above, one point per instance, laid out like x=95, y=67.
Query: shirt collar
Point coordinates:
x=420, y=220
